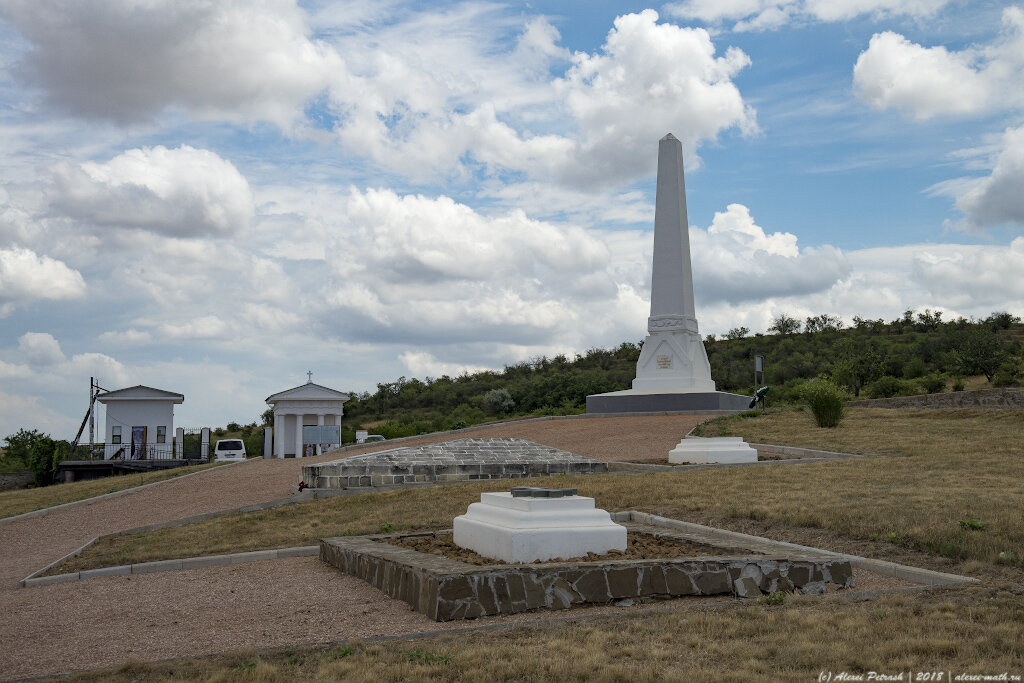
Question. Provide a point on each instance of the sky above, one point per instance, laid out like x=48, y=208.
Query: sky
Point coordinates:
x=213, y=197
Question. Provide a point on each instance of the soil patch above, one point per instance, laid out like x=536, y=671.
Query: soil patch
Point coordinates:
x=638, y=547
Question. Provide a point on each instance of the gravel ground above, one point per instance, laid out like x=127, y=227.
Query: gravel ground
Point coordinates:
x=102, y=622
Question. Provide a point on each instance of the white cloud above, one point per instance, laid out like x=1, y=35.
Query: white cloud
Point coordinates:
x=25, y=275
x=183, y=192
x=973, y=276
x=423, y=364
x=932, y=81
x=759, y=15
x=129, y=337
x=735, y=260
x=444, y=101
x=435, y=269
x=893, y=72
x=204, y=327
x=128, y=61
x=997, y=198
x=40, y=348
x=650, y=79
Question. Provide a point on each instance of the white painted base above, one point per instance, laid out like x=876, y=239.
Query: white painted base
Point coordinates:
x=530, y=529
x=673, y=362
x=722, y=449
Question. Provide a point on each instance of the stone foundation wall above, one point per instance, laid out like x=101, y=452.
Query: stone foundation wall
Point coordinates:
x=459, y=460
x=983, y=398
x=446, y=589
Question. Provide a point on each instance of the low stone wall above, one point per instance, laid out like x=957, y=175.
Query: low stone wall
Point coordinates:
x=458, y=460
x=446, y=589
x=982, y=398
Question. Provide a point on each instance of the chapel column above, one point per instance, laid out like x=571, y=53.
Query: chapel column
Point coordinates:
x=298, y=436
x=278, y=434
x=319, y=423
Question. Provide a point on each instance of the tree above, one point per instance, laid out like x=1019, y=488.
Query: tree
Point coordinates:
x=820, y=323
x=18, y=446
x=977, y=352
x=737, y=333
x=783, y=324
x=267, y=416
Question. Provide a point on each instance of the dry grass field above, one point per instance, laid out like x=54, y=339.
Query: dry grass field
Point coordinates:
x=936, y=489
x=933, y=470
x=974, y=631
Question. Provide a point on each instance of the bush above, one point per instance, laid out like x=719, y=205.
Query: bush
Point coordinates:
x=887, y=387
x=826, y=401
x=933, y=384
x=958, y=384
x=497, y=402
x=1007, y=374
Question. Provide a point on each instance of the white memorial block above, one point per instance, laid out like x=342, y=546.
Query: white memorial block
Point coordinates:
x=698, y=450
x=528, y=528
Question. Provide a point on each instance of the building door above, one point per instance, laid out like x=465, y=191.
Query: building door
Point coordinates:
x=138, y=443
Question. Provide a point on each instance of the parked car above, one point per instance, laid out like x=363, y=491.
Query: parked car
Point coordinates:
x=374, y=437
x=229, y=449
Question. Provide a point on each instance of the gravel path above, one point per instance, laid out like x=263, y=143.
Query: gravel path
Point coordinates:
x=102, y=622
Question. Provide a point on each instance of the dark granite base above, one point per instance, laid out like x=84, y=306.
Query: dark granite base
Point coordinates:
x=626, y=402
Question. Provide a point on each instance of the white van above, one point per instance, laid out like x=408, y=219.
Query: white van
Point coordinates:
x=229, y=449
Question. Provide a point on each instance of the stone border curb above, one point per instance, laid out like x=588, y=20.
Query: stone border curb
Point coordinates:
x=167, y=565
x=113, y=494
x=924, y=577
x=803, y=452
x=927, y=577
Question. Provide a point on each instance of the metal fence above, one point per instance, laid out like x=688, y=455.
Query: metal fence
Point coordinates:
x=128, y=451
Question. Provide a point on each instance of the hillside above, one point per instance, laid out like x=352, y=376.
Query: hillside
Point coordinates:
x=916, y=353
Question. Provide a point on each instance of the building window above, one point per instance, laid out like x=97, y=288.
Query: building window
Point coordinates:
x=115, y=435
x=161, y=434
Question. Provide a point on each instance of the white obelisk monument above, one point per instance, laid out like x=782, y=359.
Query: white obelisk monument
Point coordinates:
x=672, y=372
x=673, y=358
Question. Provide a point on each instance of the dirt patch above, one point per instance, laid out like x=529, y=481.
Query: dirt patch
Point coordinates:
x=638, y=547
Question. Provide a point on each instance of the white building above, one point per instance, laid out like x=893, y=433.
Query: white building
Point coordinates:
x=139, y=423
x=309, y=405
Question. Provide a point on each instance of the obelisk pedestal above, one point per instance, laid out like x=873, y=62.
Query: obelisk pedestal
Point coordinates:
x=673, y=372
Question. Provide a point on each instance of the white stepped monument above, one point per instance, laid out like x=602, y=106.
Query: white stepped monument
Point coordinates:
x=672, y=372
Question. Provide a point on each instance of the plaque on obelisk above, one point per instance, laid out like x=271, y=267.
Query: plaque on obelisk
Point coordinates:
x=672, y=372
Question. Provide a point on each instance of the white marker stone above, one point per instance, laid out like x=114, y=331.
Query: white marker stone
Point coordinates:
x=526, y=529
x=698, y=450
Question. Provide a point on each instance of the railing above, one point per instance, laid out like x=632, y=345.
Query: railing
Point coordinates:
x=128, y=451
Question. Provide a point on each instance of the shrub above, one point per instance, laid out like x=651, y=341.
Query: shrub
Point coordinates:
x=886, y=387
x=497, y=401
x=933, y=384
x=1007, y=374
x=958, y=384
x=826, y=401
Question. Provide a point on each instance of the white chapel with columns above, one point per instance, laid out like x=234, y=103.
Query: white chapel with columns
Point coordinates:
x=308, y=404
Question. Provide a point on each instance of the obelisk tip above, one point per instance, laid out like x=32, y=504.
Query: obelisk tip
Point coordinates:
x=669, y=137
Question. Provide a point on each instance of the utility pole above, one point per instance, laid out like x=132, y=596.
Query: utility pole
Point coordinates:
x=92, y=416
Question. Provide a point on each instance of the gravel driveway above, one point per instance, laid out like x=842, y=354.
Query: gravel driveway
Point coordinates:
x=102, y=622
